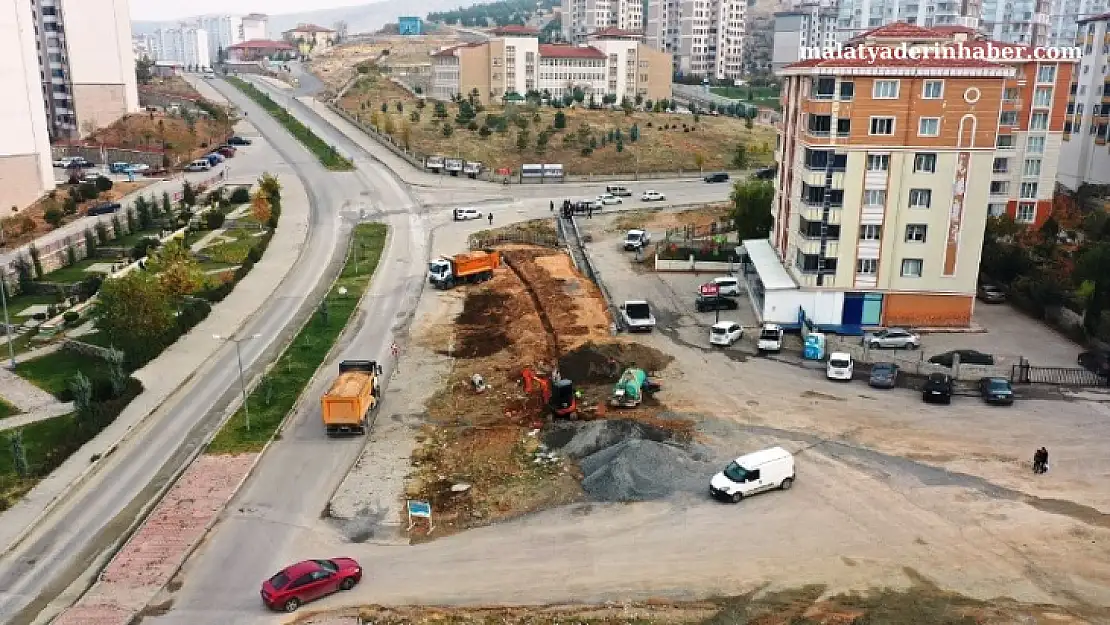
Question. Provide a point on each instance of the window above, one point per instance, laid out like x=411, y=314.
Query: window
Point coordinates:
x=1031, y=167
x=1007, y=118
x=911, y=267
x=1039, y=121
x=928, y=127
x=1034, y=145
x=870, y=233
x=1042, y=96
x=847, y=90
x=1026, y=213
x=915, y=233
x=933, y=89
x=874, y=197
x=867, y=266
x=1046, y=73
x=996, y=210
x=1001, y=165
x=1010, y=94
x=824, y=88
x=924, y=162
x=884, y=90
x=843, y=127
x=1000, y=187
x=921, y=198
x=878, y=162
x=882, y=125
x=1028, y=190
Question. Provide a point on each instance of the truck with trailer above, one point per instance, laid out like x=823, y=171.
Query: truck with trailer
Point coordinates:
x=347, y=405
x=447, y=271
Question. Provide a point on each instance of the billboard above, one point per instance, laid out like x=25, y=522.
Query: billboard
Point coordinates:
x=410, y=26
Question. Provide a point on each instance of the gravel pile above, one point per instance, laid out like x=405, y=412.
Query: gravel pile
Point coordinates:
x=624, y=460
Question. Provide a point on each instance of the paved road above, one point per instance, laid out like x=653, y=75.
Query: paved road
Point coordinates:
x=68, y=542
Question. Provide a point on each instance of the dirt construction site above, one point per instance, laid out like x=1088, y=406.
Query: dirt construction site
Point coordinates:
x=902, y=512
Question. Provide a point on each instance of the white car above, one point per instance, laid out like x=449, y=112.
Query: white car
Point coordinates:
x=770, y=338
x=652, y=196
x=727, y=286
x=637, y=316
x=897, y=338
x=636, y=239
x=463, y=214
x=840, y=367
x=606, y=199
x=725, y=333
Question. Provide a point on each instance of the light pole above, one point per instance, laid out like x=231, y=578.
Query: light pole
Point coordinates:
x=242, y=382
x=7, y=323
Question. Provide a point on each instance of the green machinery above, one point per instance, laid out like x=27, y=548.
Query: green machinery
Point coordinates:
x=633, y=386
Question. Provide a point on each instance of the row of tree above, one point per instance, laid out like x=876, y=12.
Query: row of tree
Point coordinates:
x=489, y=14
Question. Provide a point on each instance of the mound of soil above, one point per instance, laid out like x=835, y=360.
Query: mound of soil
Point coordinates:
x=641, y=470
x=577, y=441
x=483, y=325
x=602, y=363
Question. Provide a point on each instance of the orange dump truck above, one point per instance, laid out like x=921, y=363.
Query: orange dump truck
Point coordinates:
x=355, y=393
x=448, y=271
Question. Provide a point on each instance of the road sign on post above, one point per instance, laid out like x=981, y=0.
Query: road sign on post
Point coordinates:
x=419, y=510
x=709, y=289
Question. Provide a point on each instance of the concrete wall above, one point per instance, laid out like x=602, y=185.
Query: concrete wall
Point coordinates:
x=20, y=182
x=102, y=63
x=693, y=266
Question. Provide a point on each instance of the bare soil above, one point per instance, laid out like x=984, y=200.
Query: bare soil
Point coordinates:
x=147, y=131
x=175, y=86
x=29, y=224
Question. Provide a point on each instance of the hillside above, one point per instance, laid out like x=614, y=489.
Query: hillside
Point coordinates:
x=491, y=14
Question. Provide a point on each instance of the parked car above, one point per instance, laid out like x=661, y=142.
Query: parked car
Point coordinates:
x=118, y=168
x=309, y=580
x=754, y=473
x=226, y=151
x=137, y=168
x=727, y=286
x=707, y=303
x=996, y=391
x=770, y=338
x=618, y=190
x=937, y=388
x=652, y=196
x=637, y=316
x=991, y=294
x=766, y=173
x=201, y=164
x=717, y=177
x=840, y=367
x=91, y=176
x=636, y=239
x=103, y=208
x=463, y=214
x=607, y=199
x=725, y=333
x=967, y=357
x=1095, y=361
x=896, y=338
x=214, y=158
x=883, y=375
x=79, y=162
x=237, y=140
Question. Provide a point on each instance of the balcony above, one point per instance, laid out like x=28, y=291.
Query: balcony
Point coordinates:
x=812, y=264
x=814, y=212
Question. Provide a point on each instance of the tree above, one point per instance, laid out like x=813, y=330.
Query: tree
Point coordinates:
x=81, y=389
x=406, y=133
x=146, y=220
x=102, y=237
x=400, y=107
x=751, y=208
x=271, y=187
x=188, y=197
x=1094, y=266
x=541, y=142
x=522, y=140
x=117, y=227
x=53, y=216
x=117, y=375
x=448, y=130
x=740, y=157
x=132, y=221
x=578, y=95
x=384, y=107
x=748, y=123
x=634, y=133
x=260, y=208
x=560, y=120
x=104, y=183
x=699, y=160
x=143, y=73
x=388, y=126
x=71, y=256
x=36, y=262
x=178, y=273
x=135, y=314
x=440, y=110
x=568, y=99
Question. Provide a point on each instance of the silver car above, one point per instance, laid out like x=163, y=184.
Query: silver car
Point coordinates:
x=894, y=338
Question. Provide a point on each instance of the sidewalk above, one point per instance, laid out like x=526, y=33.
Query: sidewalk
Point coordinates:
x=163, y=376
x=35, y=403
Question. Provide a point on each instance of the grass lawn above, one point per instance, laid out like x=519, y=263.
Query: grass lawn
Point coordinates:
x=76, y=272
x=6, y=409
x=232, y=252
x=215, y=266
x=709, y=142
x=47, y=444
x=94, y=338
x=759, y=96
x=128, y=241
x=19, y=303
x=53, y=371
x=278, y=392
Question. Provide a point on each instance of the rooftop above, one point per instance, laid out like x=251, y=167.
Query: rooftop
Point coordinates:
x=515, y=29
x=261, y=44
x=892, y=65
x=309, y=28
x=450, y=50
x=900, y=30
x=566, y=51
x=767, y=264
x=616, y=32
x=1096, y=18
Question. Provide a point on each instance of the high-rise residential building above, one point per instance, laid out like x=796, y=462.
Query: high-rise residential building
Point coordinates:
x=184, y=45
x=581, y=18
x=1064, y=16
x=225, y=31
x=25, y=164
x=805, y=27
x=887, y=171
x=1016, y=21
x=1085, y=156
x=704, y=37
x=513, y=63
x=254, y=27
x=857, y=16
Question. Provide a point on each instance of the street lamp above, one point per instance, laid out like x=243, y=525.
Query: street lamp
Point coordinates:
x=242, y=382
x=7, y=323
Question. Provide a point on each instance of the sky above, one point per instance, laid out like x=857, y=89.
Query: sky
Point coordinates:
x=158, y=10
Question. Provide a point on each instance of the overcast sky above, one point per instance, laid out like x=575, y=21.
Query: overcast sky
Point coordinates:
x=166, y=10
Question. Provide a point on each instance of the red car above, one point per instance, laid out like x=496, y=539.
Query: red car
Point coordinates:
x=226, y=151
x=308, y=581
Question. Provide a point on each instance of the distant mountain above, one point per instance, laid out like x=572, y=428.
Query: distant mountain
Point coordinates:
x=363, y=18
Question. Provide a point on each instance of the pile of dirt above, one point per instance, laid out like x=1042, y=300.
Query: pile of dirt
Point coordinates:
x=579, y=440
x=602, y=363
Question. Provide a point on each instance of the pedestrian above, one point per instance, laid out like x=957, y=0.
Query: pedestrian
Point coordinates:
x=589, y=211
x=553, y=206
x=1040, y=461
x=491, y=219
x=1044, y=460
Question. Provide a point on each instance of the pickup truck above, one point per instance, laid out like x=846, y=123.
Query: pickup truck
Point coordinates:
x=636, y=239
x=637, y=316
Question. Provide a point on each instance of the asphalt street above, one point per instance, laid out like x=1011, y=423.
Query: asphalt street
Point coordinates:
x=68, y=542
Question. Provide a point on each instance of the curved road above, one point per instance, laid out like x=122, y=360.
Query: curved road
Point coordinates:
x=69, y=541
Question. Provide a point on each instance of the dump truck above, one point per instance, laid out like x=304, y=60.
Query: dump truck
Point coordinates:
x=631, y=389
x=347, y=405
x=448, y=271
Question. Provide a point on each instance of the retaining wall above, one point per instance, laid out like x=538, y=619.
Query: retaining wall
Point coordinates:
x=693, y=266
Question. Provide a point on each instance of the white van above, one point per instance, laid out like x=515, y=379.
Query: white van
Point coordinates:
x=754, y=473
x=201, y=164
x=618, y=190
x=840, y=367
x=462, y=214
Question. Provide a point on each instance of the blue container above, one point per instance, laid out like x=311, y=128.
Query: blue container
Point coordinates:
x=814, y=346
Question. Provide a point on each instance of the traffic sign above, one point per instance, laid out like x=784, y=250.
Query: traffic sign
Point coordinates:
x=709, y=289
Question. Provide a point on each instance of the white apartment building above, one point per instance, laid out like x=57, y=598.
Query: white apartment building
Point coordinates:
x=1016, y=21
x=807, y=26
x=225, y=31
x=185, y=45
x=1064, y=16
x=581, y=18
x=254, y=27
x=857, y=16
x=1085, y=156
x=704, y=37
x=25, y=164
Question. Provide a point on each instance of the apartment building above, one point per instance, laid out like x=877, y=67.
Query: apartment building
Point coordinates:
x=254, y=26
x=1064, y=17
x=807, y=26
x=855, y=17
x=1016, y=21
x=704, y=37
x=310, y=37
x=25, y=164
x=886, y=173
x=581, y=18
x=1085, y=156
x=225, y=31
x=185, y=45
x=513, y=61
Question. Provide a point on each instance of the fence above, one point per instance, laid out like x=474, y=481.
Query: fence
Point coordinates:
x=479, y=242
x=911, y=363
x=694, y=232
x=1025, y=373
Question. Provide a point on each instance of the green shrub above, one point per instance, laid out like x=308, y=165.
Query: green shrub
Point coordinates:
x=241, y=195
x=71, y=317
x=214, y=220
